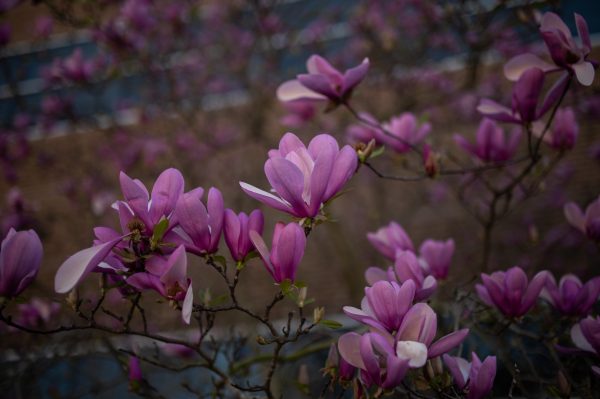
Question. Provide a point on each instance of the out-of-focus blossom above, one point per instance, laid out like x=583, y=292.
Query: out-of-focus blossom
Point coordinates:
x=135, y=373
x=405, y=132
x=564, y=131
x=237, y=231
x=202, y=223
x=436, y=257
x=525, y=98
x=20, y=258
x=43, y=26
x=375, y=356
x=323, y=82
x=384, y=305
x=563, y=49
x=299, y=112
x=571, y=297
x=510, y=291
x=5, y=33
x=78, y=69
x=492, y=144
x=586, y=336
x=37, y=313
x=430, y=161
x=286, y=252
x=169, y=279
x=389, y=239
x=589, y=222
x=305, y=178
x=406, y=268
x=476, y=377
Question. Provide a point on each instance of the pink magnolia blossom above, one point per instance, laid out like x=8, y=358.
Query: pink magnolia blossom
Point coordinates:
x=492, y=144
x=286, y=252
x=237, y=231
x=305, y=178
x=390, y=238
x=563, y=49
x=323, y=82
x=436, y=257
x=510, y=291
x=20, y=258
x=589, y=222
x=476, y=377
x=404, y=131
x=571, y=297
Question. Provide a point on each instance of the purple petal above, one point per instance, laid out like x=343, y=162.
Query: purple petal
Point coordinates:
x=215, y=217
x=583, y=32
x=294, y=90
x=146, y=281
x=79, y=265
x=584, y=71
x=288, y=182
x=353, y=76
x=20, y=259
x=533, y=290
x=349, y=348
x=344, y=168
x=165, y=193
x=374, y=274
x=551, y=21
x=176, y=267
x=514, y=68
x=447, y=342
x=320, y=177
x=459, y=369
x=193, y=219
x=262, y=249
x=290, y=250
x=575, y=216
x=267, y=198
x=319, y=84
x=187, y=306
x=136, y=196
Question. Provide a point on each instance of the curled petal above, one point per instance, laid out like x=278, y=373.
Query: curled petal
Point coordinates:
x=447, y=342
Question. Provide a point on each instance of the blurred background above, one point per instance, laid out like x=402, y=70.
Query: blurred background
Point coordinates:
x=91, y=88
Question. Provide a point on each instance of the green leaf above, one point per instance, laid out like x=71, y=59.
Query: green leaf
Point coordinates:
x=334, y=325
x=220, y=260
x=377, y=152
x=219, y=300
x=251, y=255
x=300, y=284
x=159, y=230
x=286, y=287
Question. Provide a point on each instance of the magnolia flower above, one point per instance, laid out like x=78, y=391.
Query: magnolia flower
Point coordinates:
x=510, y=291
x=563, y=49
x=405, y=131
x=76, y=68
x=375, y=356
x=525, y=97
x=139, y=215
x=384, y=305
x=305, y=178
x=286, y=252
x=406, y=268
x=201, y=223
x=237, y=229
x=476, y=377
x=586, y=336
x=492, y=144
x=564, y=131
x=323, y=82
x=20, y=258
x=571, y=297
x=169, y=279
x=588, y=223
x=390, y=238
x=338, y=366
x=436, y=257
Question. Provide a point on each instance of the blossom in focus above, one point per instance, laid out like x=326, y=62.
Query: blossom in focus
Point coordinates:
x=20, y=258
x=384, y=305
x=202, y=224
x=305, y=178
x=406, y=268
x=139, y=214
x=390, y=238
x=169, y=279
x=563, y=49
x=323, y=82
x=236, y=231
x=375, y=357
x=286, y=252
x=571, y=297
x=405, y=132
x=492, y=144
x=476, y=377
x=525, y=98
x=564, y=131
x=436, y=257
x=589, y=222
x=510, y=291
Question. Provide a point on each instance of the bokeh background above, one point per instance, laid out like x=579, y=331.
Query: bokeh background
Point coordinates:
x=91, y=88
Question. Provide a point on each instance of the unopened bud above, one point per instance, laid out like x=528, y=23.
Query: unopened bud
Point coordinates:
x=73, y=299
x=364, y=151
x=318, y=314
x=261, y=340
x=430, y=161
x=302, y=296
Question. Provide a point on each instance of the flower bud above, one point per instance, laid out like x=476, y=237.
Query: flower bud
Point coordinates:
x=318, y=314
